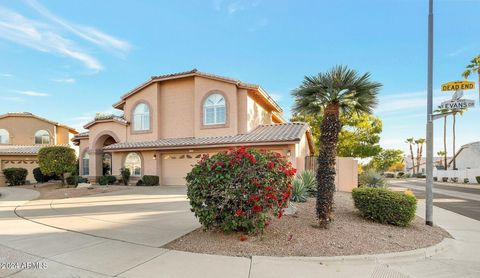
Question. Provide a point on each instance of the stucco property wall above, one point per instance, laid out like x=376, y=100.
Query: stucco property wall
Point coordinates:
x=346, y=177
x=22, y=129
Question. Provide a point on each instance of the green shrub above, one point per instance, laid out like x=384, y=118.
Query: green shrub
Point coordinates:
x=307, y=177
x=372, y=178
x=107, y=180
x=151, y=180
x=435, y=179
x=455, y=179
x=40, y=177
x=385, y=206
x=400, y=174
x=407, y=175
x=299, y=191
x=444, y=179
x=75, y=180
x=389, y=175
x=466, y=180
x=125, y=173
x=478, y=179
x=140, y=183
x=15, y=176
x=238, y=190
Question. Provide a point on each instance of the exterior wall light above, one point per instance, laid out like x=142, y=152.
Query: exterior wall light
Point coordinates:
x=154, y=157
x=289, y=153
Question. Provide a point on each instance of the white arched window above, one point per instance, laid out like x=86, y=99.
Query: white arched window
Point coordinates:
x=42, y=137
x=85, y=164
x=4, y=136
x=134, y=164
x=214, y=110
x=141, y=117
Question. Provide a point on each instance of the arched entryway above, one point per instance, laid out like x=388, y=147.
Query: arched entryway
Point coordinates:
x=101, y=162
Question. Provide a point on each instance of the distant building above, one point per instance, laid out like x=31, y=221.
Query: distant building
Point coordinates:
x=437, y=163
x=468, y=157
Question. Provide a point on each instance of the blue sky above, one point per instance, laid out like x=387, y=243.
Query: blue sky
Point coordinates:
x=58, y=56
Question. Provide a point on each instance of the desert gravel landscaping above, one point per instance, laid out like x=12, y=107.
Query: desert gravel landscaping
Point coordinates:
x=297, y=235
x=55, y=190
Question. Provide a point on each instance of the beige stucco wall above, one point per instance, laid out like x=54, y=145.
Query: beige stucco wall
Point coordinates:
x=301, y=150
x=63, y=136
x=22, y=129
x=2, y=180
x=346, y=177
x=177, y=108
x=256, y=114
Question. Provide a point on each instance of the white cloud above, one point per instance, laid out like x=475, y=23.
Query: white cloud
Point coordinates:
x=33, y=94
x=234, y=7
x=88, y=33
x=64, y=80
x=42, y=37
x=7, y=75
x=13, y=99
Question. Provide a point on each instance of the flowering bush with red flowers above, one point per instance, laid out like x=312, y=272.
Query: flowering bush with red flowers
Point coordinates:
x=239, y=189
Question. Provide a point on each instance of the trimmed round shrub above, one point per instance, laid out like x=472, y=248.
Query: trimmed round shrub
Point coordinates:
x=149, y=180
x=385, y=206
x=107, y=180
x=125, y=175
x=15, y=176
x=140, y=183
x=240, y=189
x=478, y=179
x=75, y=180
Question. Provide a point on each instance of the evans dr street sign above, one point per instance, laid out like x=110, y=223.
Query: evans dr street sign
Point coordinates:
x=458, y=85
x=457, y=104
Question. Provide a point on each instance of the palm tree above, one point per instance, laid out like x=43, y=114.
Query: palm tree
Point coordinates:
x=472, y=67
x=444, y=111
x=443, y=155
x=419, y=143
x=410, y=141
x=460, y=112
x=340, y=89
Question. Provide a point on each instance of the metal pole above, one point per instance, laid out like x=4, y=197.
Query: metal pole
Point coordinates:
x=429, y=160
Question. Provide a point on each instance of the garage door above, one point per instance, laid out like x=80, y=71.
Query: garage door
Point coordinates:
x=176, y=166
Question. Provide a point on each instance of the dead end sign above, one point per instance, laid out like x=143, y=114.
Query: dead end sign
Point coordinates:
x=458, y=85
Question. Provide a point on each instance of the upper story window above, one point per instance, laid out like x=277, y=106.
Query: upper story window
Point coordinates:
x=4, y=136
x=42, y=137
x=134, y=164
x=141, y=117
x=214, y=110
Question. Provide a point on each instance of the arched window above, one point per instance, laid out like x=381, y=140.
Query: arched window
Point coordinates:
x=85, y=164
x=42, y=137
x=141, y=117
x=134, y=164
x=4, y=136
x=214, y=110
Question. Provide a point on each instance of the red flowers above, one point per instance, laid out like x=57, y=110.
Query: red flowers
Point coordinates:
x=243, y=238
x=257, y=209
x=238, y=212
x=270, y=165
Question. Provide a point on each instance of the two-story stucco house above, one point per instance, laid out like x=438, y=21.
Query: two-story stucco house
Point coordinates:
x=170, y=120
x=23, y=134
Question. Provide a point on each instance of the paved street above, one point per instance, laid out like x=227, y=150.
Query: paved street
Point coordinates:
x=458, y=198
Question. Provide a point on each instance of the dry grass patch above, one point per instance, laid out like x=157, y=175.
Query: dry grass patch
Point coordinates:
x=54, y=190
x=298, y=235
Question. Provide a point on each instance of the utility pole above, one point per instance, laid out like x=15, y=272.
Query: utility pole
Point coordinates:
x=429, y=158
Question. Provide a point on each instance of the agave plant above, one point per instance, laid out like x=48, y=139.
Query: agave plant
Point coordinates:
x=307, y=177
x=372, y=178
x=299, y=191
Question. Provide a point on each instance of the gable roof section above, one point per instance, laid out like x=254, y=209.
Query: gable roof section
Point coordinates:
x=31, y=115
x=263, y=134
x=106, y=118
x=195, y=72
x=466, y=146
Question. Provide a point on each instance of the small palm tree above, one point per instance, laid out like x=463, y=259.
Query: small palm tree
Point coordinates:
x=443, y=155
x=419, y=143
x=340, y=89
x=410, y=141
x=474, y=66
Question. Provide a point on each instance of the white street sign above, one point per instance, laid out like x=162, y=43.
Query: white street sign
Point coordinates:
x=457, y=104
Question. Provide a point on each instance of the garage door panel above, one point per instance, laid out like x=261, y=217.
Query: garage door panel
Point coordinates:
x=176, y=166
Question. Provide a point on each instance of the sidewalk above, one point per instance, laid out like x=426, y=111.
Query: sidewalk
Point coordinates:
x=26, y=241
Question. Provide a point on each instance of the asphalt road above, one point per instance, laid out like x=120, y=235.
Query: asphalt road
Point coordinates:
x=461, y=200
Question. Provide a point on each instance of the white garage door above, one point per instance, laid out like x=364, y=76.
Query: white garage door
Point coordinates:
x=176, y=166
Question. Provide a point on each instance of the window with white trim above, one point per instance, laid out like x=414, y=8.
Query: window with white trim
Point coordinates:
x=141, y=117
x=42, y=137
x=85, y=164
x=4, y=136
x=134, y=164
x=214, y=110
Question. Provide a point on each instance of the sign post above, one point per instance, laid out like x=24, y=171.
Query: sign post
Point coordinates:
x=429, y=137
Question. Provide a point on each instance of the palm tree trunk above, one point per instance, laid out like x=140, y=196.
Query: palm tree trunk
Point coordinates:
x=453, y=151
x=413, y=158
x=330, y=129
x=445, y=141
x=418, y=158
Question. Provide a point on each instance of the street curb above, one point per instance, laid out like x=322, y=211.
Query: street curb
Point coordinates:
x=417, y=254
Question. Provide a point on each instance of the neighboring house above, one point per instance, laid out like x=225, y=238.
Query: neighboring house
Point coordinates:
x=170, y=121
x=23, y=134
x=468, y=157
x=437, y=163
